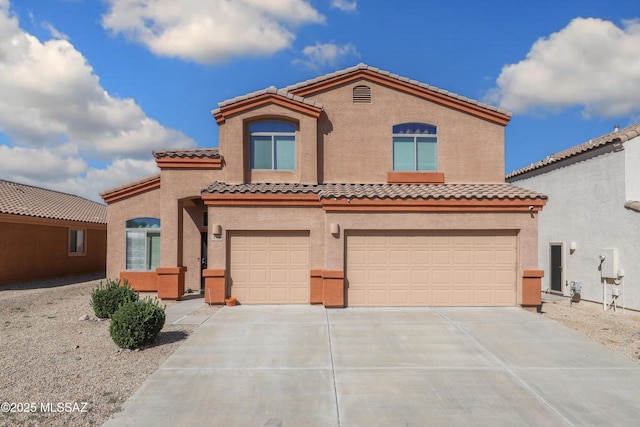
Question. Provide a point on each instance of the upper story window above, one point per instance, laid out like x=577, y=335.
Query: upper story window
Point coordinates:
x=415, y=147
x=362, y=95
x=273, y=145
x=143, y=244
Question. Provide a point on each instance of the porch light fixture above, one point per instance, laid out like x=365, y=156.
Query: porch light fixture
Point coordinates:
x=335, y=229
x=217, y=230
x=573, y=246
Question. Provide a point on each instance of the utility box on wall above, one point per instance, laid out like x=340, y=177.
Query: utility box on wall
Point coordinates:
x=610, y=263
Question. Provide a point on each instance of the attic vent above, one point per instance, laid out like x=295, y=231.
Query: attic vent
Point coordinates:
x=362, y=95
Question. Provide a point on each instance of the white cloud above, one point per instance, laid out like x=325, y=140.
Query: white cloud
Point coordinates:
x=210, y=31
x=326, y=54
x=59, y=120
x=345, y=5
x=590, y=63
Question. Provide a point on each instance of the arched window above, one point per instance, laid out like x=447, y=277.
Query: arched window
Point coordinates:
x=273, y=145
x=143, y=244
x=415, y=147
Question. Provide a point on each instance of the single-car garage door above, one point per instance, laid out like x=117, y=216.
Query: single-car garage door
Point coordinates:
x=270, y=268
x=455, y=269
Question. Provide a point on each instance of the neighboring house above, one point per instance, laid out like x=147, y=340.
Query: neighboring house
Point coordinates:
x=593, y=210
x=45, y=234
x=358, y=188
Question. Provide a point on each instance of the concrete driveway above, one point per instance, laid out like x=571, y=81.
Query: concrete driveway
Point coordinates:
x=282, y=366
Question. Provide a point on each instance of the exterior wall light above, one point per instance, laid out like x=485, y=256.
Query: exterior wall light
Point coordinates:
x=335, y=229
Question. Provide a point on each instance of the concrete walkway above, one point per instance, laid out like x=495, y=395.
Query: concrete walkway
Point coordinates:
x=307, y=366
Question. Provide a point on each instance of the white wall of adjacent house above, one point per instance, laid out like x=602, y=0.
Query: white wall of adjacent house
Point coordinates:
x=586, y=207
x=632, y=168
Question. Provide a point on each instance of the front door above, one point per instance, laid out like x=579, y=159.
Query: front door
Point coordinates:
x=203, y=257
x=556, y=267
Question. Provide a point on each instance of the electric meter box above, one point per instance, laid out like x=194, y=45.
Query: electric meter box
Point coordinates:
x=610, y=263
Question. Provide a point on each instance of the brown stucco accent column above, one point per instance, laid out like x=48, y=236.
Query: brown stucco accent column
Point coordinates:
x=214, y=286
x=333, y=288
x=531, y=288
x=315, y=287
x=170, y=282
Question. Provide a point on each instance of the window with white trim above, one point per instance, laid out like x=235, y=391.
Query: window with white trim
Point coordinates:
x=415, y=147
x=143, y=244
x=273, y=145
x=77, y=242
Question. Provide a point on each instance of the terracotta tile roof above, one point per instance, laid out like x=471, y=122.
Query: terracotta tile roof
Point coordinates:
x=428, y=191
x=129, y=184
x=397, y=77
x=633, y=205
x=286, y=91
x=192, y=153
x=621, y=135
x=26, y=200
x=269, y=90
x=383, y=191
x=224, y=188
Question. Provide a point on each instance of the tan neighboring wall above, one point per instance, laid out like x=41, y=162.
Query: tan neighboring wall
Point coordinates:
x=356, y=139
x=38, y=248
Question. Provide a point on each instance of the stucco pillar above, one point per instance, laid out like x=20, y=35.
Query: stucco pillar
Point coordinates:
x=531, y=288
x=214, y=286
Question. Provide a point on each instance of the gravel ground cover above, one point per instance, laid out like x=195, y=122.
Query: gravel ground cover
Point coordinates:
x=619, y=330
x=58, y=370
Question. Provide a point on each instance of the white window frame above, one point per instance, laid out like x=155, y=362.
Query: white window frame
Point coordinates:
x=146, y=232
x=273, y=135
x=415, y=148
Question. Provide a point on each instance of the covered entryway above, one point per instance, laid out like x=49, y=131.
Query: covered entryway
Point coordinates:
x=269, y=268
x=431, y=269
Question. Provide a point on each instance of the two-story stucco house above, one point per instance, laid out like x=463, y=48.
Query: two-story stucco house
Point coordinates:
x=357, y=188
x=589, y=230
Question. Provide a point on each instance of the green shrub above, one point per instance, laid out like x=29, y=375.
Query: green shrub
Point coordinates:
x=137, y=323
x=106, y=298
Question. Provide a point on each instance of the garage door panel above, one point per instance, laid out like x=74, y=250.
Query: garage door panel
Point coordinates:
x=269, y=268
x=446, y=270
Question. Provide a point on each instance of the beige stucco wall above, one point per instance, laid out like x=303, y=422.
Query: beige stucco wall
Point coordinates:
x=234, y=144
x=265, y=219
x=180, y=241
x=327, y=251
x=356, y=138
x=146, y=204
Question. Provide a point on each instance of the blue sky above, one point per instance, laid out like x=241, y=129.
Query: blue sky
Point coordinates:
x=89, y=88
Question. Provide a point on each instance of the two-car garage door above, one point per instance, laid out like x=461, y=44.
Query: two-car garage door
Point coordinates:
x=454, y=269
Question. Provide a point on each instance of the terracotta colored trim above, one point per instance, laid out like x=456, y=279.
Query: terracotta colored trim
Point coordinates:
x=259, y=101
x=144, y=281
x=134, y=190
x=261, y=200
x=316, y=272
x=170, y=270
x=333, y=274
x=213, y=272
x=431, y=205
x=424, y=93
x=22, y=219
x=415, y=177
x=189, y=163
x=533, y=273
